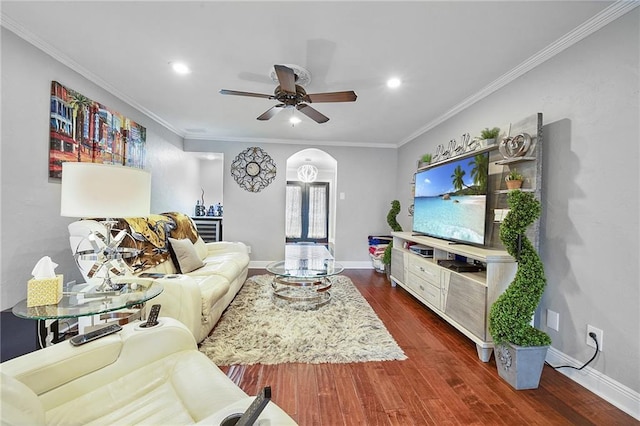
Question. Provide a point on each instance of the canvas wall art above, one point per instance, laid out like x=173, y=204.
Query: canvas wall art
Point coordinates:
x=87, y=131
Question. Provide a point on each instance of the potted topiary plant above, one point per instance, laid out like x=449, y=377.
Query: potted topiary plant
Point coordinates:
x=514, y=179
x=395, y=226
x=489, y=136
x=424, y=161
x=520, y=348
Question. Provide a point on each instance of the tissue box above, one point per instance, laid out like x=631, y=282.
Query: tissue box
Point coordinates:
x=46, y=291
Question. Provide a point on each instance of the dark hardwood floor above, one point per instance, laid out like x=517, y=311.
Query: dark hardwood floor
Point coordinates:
x=442, y=383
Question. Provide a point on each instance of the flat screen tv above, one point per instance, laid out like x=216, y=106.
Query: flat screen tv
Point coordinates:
x=451, y=200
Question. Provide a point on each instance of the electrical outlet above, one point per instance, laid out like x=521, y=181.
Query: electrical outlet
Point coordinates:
x=598, y=333
x=553, y=320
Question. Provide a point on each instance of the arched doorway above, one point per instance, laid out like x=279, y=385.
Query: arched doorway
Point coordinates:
x=311, y=206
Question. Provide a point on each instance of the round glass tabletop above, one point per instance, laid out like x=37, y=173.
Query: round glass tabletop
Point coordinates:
x=305, y=268
x=77, y=303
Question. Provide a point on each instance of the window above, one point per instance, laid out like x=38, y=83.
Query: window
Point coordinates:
x=307, y=212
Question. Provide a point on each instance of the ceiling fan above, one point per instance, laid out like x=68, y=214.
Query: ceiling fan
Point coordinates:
x=292, y=95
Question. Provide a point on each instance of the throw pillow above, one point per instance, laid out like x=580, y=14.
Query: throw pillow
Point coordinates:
x=201, y=248
x=186, y=255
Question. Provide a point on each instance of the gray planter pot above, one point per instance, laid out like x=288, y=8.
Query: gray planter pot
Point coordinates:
x=484, y=143
x=422, y=164
x=520, y=366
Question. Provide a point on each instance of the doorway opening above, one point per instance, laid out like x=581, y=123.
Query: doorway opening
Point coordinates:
x=307, y=212
x=310, y=205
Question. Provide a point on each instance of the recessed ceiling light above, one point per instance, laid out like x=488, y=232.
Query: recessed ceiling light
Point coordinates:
x=180, y=67
x=393, y=83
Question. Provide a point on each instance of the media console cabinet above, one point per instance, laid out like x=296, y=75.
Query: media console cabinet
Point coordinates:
x=463, y=299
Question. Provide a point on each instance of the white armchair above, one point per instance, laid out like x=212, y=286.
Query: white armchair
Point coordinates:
x=136, y=376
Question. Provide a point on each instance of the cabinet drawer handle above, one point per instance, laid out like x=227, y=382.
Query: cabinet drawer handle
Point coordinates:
x=425, y=271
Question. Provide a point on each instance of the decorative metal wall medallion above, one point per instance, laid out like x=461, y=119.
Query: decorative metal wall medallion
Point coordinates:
x=253, y=169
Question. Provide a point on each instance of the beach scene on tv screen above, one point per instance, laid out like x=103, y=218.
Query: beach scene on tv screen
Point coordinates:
x=450, y=200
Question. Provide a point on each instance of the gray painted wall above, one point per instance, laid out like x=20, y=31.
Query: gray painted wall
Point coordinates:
x=31, y=225
x=589, y=96
x=211, y=178
x=365, y=175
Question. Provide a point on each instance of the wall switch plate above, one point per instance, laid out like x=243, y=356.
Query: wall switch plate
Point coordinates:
x=553, y=320
x=599, y=333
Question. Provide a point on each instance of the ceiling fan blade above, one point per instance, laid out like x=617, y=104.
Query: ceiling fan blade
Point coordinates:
x=313, y=114
x=347, y=96
x=237, y=93
x=271, y=112
x=286, y=77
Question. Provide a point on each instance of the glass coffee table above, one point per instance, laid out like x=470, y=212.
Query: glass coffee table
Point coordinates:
x=305, y=276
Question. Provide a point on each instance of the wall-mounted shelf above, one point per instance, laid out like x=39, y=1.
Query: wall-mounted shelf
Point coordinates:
x=515, y=160
x=528, y=165
x=506, y=191
x=457, y=157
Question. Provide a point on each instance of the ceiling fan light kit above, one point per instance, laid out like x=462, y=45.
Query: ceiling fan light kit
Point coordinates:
x=291, y=94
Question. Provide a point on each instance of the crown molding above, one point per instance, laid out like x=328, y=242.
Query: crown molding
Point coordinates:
x=306, y=142
x=56, y=54
x=606, y=16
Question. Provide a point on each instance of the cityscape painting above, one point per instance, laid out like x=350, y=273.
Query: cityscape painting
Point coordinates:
x=83, y=130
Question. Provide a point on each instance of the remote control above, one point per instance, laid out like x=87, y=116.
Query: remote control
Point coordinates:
x=251, y=414
x=81, y=339
x=152, y=319
x=151, y=275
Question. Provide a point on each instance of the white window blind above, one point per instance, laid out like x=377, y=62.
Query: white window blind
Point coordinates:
x=317, y=212
x=293, y=228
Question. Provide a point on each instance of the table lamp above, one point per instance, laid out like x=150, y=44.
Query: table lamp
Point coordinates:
x=91, y=190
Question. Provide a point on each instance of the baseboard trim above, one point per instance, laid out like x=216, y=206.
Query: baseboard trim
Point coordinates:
x=351, y=264
x=623, y=397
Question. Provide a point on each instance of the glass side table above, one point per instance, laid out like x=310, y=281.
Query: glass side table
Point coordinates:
x=77, y=303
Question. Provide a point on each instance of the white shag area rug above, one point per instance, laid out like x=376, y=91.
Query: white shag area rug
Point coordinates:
x=256, y=329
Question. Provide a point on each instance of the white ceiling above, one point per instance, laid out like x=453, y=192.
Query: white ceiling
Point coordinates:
x=448, y=55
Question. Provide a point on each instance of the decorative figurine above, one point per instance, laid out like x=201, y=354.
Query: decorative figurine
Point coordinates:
x=201, y=210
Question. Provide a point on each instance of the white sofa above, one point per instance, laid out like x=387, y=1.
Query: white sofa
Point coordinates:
x=196, y=297
x=152, y=376
x=199, y=298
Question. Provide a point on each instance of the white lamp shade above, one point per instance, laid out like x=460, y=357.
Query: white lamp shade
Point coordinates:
x=102, y=190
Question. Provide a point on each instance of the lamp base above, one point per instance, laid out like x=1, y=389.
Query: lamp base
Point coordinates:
x=107, y=256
